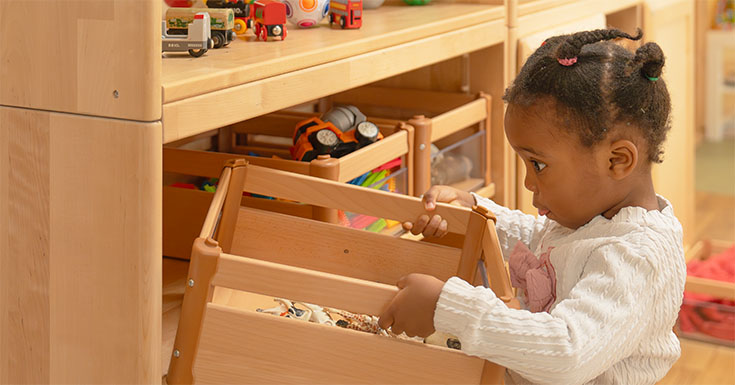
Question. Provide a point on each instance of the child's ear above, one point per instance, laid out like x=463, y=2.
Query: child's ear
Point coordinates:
x=623, y=158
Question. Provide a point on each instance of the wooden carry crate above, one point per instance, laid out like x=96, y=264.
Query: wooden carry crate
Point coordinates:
x=447, y=119
x=702, y=250
x=184, y=209
x=325, y=264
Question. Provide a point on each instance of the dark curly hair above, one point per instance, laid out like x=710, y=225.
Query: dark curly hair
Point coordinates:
x=598, y=85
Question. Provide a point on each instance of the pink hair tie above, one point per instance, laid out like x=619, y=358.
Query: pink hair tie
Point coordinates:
x=567, y=62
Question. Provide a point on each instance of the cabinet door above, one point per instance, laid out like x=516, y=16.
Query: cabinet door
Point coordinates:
x=80, y=249
x=99, y=58
x=670, y=24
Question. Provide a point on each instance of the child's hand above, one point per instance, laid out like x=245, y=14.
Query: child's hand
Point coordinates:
x=412, y=309
x=436, y=226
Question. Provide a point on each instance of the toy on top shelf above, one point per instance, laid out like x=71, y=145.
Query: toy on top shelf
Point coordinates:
x=197, y=40
x=346, y=13
x=270, y=19
x=243, y=17
x=222, y=22
x=306, y=13
x=337, y=132
x=179, y=3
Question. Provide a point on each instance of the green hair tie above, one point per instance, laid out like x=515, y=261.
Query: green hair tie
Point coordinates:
x=650, y=78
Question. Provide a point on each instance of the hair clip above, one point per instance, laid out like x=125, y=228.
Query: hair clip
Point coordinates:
x=653, y=79
x=567, y=62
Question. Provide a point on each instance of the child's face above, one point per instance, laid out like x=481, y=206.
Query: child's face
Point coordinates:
x=570, y=182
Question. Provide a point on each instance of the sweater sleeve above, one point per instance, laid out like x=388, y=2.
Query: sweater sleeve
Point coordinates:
x=513, y=225
x=599, y=324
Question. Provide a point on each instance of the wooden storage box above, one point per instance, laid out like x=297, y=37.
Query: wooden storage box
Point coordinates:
x=184, y=209
x=325, y=264
x=712, y=320
x=457, y=123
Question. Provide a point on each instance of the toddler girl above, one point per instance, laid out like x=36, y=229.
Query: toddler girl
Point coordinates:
x=601, y=271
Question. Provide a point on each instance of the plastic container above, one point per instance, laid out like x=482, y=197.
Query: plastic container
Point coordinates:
x=708, y=309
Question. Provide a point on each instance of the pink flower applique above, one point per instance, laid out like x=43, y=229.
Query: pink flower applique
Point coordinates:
x=535, y=276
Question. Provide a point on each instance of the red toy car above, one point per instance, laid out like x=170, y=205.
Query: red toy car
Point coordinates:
x=270, y=19
x=346, y=13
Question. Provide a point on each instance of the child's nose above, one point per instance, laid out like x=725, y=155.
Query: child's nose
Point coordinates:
x=530, y=181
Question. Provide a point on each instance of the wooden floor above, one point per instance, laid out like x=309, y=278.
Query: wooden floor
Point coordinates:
x=700, y=363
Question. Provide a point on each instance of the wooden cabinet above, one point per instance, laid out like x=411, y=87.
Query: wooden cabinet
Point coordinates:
x=87, y=103
x=671, y=25
x=80, y=246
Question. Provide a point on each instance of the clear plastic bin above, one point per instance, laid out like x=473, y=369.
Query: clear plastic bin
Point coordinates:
x=460, y=164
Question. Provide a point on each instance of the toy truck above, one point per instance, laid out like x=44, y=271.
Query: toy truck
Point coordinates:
x=222, y=23
x=338, y=132
x=346, y=13
x=197, y=40
x=243, y=16
x=270, y=19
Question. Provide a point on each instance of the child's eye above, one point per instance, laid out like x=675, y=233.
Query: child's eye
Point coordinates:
x=538, y=166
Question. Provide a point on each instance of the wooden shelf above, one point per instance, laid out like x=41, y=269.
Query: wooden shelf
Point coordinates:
x=250, y=78
x=539, y=15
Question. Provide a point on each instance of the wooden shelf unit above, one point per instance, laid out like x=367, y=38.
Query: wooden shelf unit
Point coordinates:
x=252, y=78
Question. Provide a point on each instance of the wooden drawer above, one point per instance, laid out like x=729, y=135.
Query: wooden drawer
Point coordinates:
x=243, y=251
x=442, y=119
x=184, y=209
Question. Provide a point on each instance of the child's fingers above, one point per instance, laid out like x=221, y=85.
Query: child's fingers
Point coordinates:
x=420, y=225
x=407, y=226
x=446, y=194
x=430, y=197
x=396, y=328
x=443, y=227
x=402, y=282
x=386, y=319
x=432, y=228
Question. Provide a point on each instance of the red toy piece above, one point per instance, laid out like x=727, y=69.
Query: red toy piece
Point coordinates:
x=180, y=3
x=346, y=13
x=270, y=19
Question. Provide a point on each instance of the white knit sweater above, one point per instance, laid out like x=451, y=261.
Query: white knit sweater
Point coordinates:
x=618, y=292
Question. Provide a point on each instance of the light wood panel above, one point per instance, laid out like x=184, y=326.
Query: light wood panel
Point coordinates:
x=351, y=198
x=174, y=283
x=335, y=249
x=464, y=116
x=298, y=284
x=670, y=24
x=313, y=356
x=246, y=61
x=88, y=57
x=357, y=163
x=24, y=247
x=81, y=268
x=201, y=113
x=544, y=14
x=487, y=69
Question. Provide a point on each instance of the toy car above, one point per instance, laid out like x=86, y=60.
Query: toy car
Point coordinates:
x=270, y=19
x=197, y=40
x=346, y=13
x=222, y=22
